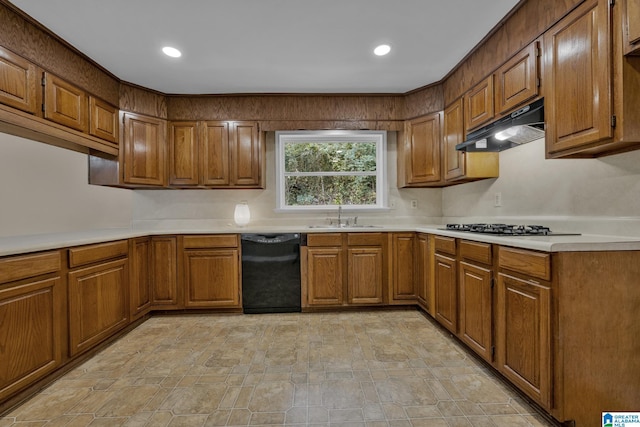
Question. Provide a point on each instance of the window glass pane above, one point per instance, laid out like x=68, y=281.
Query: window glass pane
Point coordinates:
x=330, y=157
x=330, y=190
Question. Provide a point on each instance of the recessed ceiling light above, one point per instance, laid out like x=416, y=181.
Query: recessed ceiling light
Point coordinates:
x=172, y=52
x=382, y=50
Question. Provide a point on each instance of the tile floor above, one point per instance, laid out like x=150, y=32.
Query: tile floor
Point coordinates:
x=385, y=368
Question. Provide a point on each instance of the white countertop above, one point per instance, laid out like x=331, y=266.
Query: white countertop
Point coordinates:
x=586, y=242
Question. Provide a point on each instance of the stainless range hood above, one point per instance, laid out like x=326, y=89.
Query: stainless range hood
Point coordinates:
x=521, y=126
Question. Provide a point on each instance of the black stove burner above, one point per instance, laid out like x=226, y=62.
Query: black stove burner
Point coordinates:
x=511, y=230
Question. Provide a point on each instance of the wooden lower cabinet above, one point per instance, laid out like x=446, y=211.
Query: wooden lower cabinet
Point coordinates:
x=402, y=283
x=475, y=308
x=422, y=270
x=365, y=275
x=98, y=303
x=165, y=293
x=523, y=335
x=33, y=331
x=325, y=276
x=446, y=303
x=210, y=271
x=140, y=281
x=211, y=278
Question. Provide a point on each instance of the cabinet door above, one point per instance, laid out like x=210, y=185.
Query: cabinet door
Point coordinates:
x=454, y=160
x=523, y=336
x=577, y=57
x=140, y=286
x=18, y=82
x=32, y=332
x=98, y=303
x=246, y=154
x=517, y=80
x=183, y=154
x=103, y=120
x=422, y=269
x=143, y=150
x=422, y=151
x=446, y=308
x=475, y=309
x=325, y=276
x=65, y=103
x=403, y=284
x=365, y=275
x=214, y=152
x=479, y=104
x=211, y=278
x=632, y=26
x=164, y=280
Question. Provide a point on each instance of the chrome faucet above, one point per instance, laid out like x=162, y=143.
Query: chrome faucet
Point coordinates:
x=339, y=216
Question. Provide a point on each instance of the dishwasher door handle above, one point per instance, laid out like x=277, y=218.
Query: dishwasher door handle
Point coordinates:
x=272, y=259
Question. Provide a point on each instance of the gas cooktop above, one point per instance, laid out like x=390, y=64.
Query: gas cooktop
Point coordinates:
x=507, y=230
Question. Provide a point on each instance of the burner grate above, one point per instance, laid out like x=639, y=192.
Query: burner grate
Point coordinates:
x=506, y=229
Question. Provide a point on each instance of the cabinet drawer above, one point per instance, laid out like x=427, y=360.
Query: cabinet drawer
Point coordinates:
x=217, y=241
x=93, y=253
x=534, y=264
x=324, y=239
x=22, y=267
x=476, y=251
x=445, y=244
x=364, y=239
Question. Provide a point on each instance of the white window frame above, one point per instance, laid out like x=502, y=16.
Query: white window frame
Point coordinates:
x=379, y=137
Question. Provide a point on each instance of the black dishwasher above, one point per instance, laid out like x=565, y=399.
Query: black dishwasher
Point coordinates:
x=271, y=273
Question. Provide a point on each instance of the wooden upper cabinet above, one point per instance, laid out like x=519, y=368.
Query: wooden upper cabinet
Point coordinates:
x=214, y=153
x=103, y=120
x=143, y=150
x=479, y=107
x=18, y=82
x=246, y=154
x=65, y=103
x=517, y=80
x=453, y=134
x=183, y=154
x=631, y=27
x=421, y=153
x=577, y=67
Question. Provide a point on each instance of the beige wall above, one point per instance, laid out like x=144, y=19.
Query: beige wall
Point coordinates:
x=586, y=190
x=44, y=189
x=210, y=205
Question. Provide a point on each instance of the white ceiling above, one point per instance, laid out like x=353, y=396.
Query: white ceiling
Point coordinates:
x=273, y=46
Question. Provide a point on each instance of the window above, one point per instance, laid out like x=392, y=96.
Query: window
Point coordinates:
x=320, y=169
